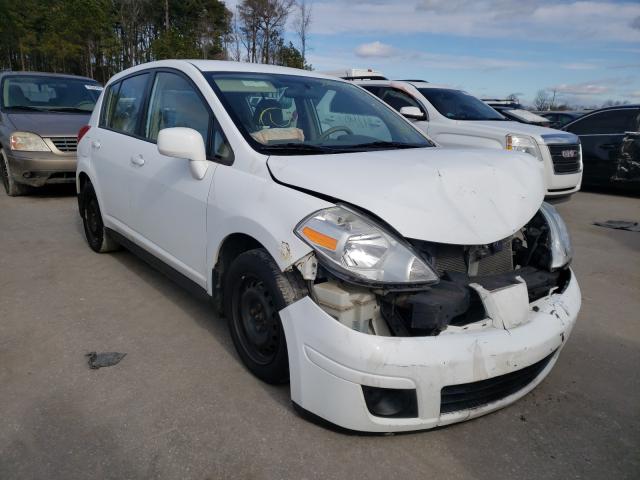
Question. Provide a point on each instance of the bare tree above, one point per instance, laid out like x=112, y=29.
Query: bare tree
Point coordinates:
x=261, y=26
x=249, y=15
x=542, y=100
x=302, y=24
x=234, y=48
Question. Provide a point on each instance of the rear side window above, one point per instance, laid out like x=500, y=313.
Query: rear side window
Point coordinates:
x=609, y=122
x=124, y=109
x=175, y=103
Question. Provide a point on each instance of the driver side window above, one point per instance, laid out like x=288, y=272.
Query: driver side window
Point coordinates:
x=175, y=103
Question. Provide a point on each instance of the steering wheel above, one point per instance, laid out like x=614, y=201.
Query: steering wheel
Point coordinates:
x=333, y=130
x=84, y=102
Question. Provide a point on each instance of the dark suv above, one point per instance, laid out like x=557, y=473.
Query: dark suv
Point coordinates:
x=40, y=115
x=610, y=139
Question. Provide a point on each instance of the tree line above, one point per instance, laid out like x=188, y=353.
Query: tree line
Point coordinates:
x=98, y=38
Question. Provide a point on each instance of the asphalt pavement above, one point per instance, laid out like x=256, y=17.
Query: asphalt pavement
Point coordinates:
x=181, y=405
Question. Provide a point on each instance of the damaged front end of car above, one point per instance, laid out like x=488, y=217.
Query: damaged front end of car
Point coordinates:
x=371, y=279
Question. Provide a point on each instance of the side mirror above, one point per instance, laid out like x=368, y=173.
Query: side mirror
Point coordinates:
x=412, y=113
x=185, y=143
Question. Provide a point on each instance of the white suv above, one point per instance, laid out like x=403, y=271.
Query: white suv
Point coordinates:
x=397, y=285
x=453, y=118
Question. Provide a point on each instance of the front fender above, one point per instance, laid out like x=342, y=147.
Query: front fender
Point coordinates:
x=264, y=210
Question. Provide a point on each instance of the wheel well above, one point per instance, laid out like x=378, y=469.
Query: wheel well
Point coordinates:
x=231, y=247
x=83, y=178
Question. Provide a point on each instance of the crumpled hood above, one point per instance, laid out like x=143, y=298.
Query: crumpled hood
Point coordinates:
x=49, y=124
x=458, y=196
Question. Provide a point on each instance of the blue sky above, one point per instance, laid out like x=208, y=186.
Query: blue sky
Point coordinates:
x=588, y=51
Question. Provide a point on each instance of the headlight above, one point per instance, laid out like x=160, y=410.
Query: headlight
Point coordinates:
x=559, y=240
x=28, y=142
x=357, y=248
x=523, y=143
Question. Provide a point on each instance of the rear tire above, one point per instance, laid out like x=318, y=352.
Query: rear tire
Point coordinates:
x=12, y=188
x=94, y=231
x=255, y=290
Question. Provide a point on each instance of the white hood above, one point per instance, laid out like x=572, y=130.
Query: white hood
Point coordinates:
x=469, y=197
x=503, y=127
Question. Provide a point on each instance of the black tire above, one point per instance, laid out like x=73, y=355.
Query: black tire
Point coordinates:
x=94, y=231
x=12, y=188
x=255, y=290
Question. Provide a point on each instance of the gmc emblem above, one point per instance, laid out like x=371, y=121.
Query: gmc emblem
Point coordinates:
x=569, y=153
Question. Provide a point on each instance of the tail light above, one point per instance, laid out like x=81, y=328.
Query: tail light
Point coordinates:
x=83, y=131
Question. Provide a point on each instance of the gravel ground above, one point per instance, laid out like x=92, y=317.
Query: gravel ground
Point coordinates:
x=181, y=405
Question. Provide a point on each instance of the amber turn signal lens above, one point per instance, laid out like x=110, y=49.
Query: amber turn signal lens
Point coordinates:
x=320, y=239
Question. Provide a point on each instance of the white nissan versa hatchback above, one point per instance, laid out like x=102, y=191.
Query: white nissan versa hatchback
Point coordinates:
x=396, y=285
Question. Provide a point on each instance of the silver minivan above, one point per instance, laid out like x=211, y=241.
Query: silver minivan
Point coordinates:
x=40, y=115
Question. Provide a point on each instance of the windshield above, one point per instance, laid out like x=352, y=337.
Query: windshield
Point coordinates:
x=459, y=105
x=42, y=93
x=290, y=114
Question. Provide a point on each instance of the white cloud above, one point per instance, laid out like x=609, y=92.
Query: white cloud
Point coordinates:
x=585, y=21
x=579, y=66
x=582, y=89
x=375, y=49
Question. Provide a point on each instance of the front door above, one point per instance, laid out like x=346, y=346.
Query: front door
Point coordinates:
x=170, y=205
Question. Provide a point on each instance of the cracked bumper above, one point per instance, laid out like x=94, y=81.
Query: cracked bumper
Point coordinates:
x=330, y=362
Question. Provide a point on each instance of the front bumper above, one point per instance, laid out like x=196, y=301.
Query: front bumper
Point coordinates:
x=39, y=168
x=329, y=362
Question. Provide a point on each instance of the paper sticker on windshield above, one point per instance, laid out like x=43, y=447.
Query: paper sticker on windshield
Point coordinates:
x=94, y=87
x=255, y=83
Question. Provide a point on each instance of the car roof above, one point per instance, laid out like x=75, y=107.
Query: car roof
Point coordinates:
x=224, y=66
x=416, y=84
x=11, y=73
x=617, y=107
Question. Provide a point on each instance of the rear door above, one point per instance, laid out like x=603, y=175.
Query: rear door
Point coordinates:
x=602, y=135
x=169, y=205
x=112, y=144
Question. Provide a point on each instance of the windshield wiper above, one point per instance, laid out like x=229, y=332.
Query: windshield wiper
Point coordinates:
x=383, y=144
x=297, y=147
x=69, y=109
x=26, y=108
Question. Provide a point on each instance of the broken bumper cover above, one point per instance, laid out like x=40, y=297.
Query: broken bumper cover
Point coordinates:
x=329, y=363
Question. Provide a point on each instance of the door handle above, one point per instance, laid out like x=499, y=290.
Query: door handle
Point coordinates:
x=137, y=160
x=609, y=146
x=96, y=145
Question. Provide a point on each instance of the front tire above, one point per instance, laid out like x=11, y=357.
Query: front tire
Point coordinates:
x=12, y=188
x=255, y=291
x=94, y=231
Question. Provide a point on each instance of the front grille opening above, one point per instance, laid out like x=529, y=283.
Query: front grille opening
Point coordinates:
x=565, y=158
x=65, y=144
x=65, y=175
x=466, y=396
